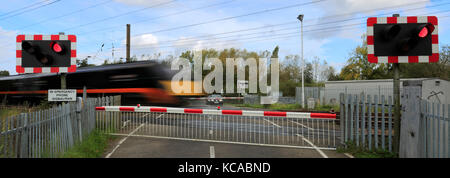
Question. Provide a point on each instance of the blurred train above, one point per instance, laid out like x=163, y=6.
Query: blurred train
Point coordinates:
x=143, y=82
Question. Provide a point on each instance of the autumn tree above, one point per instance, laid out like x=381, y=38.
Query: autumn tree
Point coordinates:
x=359, y=68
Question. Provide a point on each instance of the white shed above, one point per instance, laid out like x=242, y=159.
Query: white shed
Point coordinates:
x=433, y=89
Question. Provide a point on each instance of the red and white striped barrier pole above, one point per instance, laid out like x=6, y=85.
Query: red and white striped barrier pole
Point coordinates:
x=217, y=112
x=224, y=98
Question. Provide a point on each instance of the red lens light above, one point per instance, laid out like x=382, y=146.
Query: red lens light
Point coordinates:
x=424, y=32
x=57, y=48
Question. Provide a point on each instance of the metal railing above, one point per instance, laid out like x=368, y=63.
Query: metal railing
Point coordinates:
x=435, y=129
x=367, y=121
x=50, y=132
x=268, y=128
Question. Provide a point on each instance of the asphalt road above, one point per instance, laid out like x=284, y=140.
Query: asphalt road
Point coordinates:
x=189, y=135
x=142, y=147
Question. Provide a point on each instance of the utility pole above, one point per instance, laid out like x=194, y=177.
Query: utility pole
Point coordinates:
x=112, y=51
x=396, y=103
x=128, y=43
x=63, y=75
x=300, y=17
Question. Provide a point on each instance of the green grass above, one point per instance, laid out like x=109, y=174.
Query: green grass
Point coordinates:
x=361, y=152
x=92, y=147
x=272, y=106
x=9, y=112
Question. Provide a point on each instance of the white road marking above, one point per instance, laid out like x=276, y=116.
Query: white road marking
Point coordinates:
x=125, y=123
x=272, y=123
x=159, y=116
x=212, y=153
x=302, y=125
x=348, y=155
x=314, y=146
x=123, y=140
x=130, y=134
x=219, y=141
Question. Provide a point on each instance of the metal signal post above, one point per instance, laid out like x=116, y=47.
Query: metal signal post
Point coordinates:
x=63, y=75
x=396, y=67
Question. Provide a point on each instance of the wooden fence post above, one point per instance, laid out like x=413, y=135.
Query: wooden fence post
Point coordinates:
x=410, y=142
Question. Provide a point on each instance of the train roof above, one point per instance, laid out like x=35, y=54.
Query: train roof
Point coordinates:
x=86, y=70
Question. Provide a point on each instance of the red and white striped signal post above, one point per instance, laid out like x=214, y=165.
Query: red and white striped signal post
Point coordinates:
x=396, y=39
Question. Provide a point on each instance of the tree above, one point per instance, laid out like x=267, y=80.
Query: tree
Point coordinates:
x=275, y=52
x=83, y=63
x=440, y=69
x=4, y=73
x=359, y=68
x=329, y=74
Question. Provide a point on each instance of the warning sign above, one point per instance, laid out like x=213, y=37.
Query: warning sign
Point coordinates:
x=62, y=95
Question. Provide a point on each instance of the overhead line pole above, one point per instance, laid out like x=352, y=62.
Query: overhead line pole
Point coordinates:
x=128, y=43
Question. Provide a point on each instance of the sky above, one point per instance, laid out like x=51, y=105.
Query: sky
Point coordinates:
x=331, y=28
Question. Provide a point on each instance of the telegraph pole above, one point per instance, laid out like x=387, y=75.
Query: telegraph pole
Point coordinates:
x=128, y=43
x=300, y=17
x=396, y=67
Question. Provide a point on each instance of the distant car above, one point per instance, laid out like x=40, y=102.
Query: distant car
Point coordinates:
x=214, y=99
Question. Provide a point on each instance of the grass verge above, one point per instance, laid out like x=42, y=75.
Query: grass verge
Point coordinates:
x=9, y=112
x=361, y=152
x=92, y=147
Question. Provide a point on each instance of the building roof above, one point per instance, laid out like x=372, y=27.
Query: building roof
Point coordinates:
x=378, y=80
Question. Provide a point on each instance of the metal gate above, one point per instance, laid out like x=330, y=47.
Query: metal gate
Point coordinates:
x=266, y=128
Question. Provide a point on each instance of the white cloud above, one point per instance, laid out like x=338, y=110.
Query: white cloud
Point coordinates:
x=7, y=50
x=190, y=43
x=314, y=48
x=341, y=11
x=143, y=40
x=348, y=6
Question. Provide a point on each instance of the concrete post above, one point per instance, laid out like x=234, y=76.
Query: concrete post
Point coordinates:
x=410, y=142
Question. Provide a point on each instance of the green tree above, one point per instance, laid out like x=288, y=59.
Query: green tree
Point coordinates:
x=275, y=52
x=359, y=68
x=83, y=63
x=4, y=73
x=441, y=69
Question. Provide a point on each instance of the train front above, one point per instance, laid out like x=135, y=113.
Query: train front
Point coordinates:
x=186, y=87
